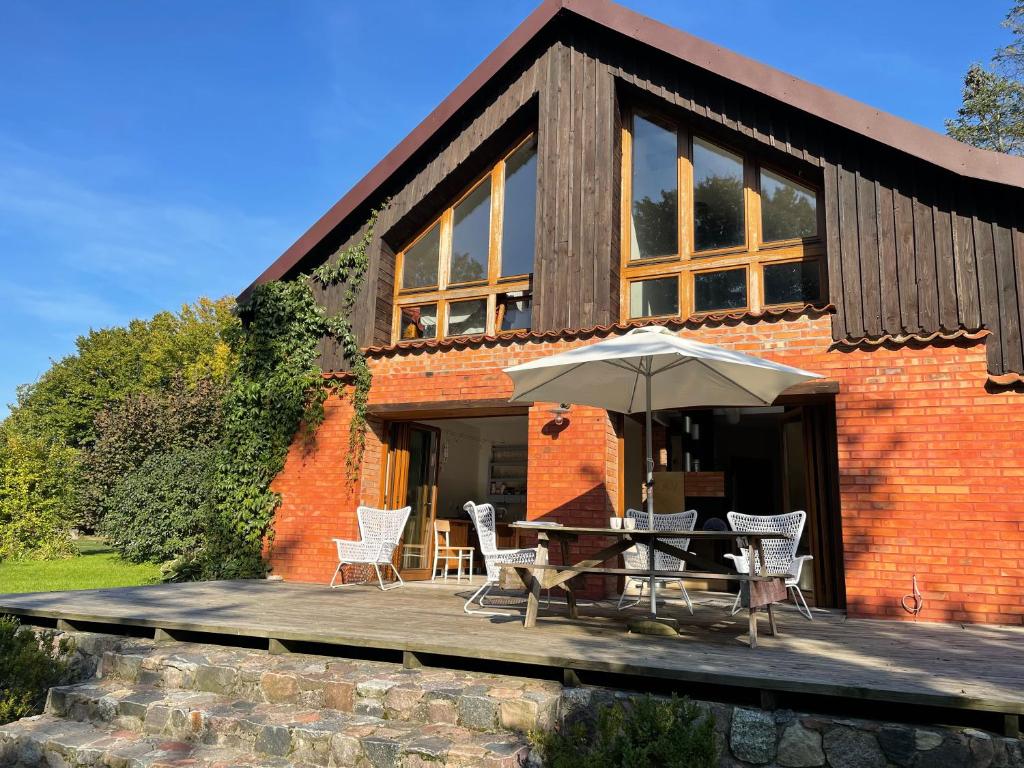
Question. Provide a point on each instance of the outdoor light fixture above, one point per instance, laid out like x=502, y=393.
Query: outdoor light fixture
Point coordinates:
x=559, y=413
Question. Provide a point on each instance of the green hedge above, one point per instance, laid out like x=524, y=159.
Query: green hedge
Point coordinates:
x=160, y=511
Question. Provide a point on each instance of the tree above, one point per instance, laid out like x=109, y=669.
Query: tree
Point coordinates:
x=38, y=485
x=111, y=364
x=992, y=113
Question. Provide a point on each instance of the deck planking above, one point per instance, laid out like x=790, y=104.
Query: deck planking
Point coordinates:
x=951, y=666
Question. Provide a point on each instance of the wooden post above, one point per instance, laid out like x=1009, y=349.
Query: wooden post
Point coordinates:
x=410, y=660
x=1011, y=726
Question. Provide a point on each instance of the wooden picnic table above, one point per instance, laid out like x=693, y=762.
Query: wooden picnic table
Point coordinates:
x=763, y=589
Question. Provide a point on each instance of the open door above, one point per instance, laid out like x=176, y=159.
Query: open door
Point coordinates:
x=411, y=480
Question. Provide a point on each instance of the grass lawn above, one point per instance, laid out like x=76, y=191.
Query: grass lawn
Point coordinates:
x=97, y=566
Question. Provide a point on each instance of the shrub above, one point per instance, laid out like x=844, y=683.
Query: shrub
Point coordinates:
x=646, y=733
x=29, y=665
x=187, y=415
x=159, y=511
x=37, y=496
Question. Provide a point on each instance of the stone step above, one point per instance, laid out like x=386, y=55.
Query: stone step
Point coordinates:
x=48, y=742
x=312, y=735
x=473, y=700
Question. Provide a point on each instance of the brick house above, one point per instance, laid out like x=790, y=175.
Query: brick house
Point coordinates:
x=600, y=170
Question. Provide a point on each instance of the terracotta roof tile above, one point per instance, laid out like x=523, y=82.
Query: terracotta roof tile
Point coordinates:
x=913, y=338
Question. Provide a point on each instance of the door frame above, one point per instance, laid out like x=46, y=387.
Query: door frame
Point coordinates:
x=395, y=485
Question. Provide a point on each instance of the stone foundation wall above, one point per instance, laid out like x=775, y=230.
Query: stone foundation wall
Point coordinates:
x=787, y=739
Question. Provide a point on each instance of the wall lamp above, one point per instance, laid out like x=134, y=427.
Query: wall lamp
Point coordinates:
x=559, y=413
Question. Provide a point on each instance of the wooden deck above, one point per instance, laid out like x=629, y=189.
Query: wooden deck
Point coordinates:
x=951, y=667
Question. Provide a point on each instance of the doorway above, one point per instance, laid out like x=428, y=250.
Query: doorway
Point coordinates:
x=436, y=465
x=411, y=480
x=759, y=461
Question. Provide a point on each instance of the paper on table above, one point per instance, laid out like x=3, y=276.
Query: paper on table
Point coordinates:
x=539, y=524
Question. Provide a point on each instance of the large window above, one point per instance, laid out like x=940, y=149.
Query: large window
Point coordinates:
x=712, y=228
x=469, y=271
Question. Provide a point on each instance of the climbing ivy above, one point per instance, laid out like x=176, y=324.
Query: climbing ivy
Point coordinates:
x=276, y=391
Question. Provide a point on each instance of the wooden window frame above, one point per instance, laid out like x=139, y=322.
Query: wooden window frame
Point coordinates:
x=445, y=292
x=753, y=255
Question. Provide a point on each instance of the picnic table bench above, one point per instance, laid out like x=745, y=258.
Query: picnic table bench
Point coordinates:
x=762, y=589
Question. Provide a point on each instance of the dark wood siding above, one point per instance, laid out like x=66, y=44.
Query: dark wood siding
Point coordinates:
x=912, y=248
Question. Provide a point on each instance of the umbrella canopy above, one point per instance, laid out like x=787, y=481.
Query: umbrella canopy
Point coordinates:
x=684, y=374
x=650, y=369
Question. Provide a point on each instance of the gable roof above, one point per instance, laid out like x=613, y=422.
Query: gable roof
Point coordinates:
x=855, y=116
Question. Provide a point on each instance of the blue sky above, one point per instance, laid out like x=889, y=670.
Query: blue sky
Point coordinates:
x=152, y=152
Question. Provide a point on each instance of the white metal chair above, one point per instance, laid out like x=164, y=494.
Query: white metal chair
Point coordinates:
x=779, y=554
x=380, y=532
x=445, y=553
x=637, y=556
x=484, y=521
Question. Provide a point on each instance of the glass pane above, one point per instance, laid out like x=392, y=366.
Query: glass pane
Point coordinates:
x=467, y=317
x=520, y=214
x=720, y=290
x=717, y=197
x=655, y=191
x=419, y=267
x=418, y=322
x=793, y=282
x=471, y=236
x=652, y=298
x=788, y=209
x=418, y=495
x=514, y=313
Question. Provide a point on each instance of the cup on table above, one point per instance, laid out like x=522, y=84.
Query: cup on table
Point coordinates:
x=615, y=523
x=629, y=523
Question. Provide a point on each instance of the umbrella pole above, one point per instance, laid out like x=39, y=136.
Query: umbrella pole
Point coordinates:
x=648, y=432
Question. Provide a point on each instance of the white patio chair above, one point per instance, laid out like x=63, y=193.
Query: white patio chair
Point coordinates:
x=380, y=532
x=445, y=553
x=637, y=556
x=484, y=521
x=779, y=555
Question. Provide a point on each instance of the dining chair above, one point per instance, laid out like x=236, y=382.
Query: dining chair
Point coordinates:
x=446, y=553
x=779, y=555
x=637, y=556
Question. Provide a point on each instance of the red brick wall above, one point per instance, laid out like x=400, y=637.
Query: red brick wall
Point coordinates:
x=931, y=464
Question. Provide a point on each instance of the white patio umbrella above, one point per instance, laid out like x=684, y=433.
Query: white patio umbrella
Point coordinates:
x=648, y=369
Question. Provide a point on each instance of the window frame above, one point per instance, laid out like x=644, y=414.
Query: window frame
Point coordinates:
x=754, y=254
x=444, y=292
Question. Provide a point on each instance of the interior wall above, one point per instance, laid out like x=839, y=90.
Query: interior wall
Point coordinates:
x=464, y=473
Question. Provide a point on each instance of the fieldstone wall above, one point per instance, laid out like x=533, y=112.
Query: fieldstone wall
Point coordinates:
x=786, y=739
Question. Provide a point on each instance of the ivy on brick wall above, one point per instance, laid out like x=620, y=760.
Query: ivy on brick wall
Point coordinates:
x=276, y=391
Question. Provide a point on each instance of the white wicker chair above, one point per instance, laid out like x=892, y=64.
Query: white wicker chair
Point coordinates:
x=637, y=556
x=380, y=532
x=779, y=554
x=486, y=529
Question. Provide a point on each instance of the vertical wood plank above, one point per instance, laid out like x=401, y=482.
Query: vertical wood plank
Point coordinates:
x=924, y=250
x=888, y=269
x=988, y=288
x=945, y=264
x=867, y=236
x=849, y=248
x=903, y=211
x=834, y=257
